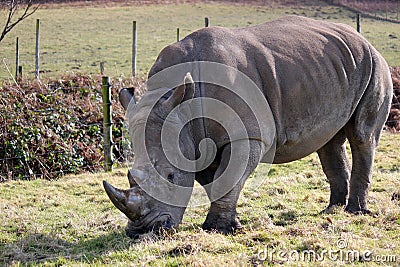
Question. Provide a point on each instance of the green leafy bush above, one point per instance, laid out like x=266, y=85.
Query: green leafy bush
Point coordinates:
x=47, y=130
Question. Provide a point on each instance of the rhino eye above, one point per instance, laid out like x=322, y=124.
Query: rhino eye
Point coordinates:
x=171, y=177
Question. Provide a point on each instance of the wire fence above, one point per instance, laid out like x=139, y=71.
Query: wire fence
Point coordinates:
x=63, y=53
x=82, y=47
x=78, y=43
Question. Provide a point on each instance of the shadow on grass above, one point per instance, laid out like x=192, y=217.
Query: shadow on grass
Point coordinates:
x=286, y=218
x=39, y=248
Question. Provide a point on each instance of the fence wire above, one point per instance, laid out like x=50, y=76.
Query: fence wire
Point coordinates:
x=109, y=39
x=76, y=40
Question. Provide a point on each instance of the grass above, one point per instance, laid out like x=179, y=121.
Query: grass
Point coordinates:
x=77, y=39
x=71, y=222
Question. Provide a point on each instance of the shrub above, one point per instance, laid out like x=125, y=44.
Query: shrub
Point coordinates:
x=50, y=129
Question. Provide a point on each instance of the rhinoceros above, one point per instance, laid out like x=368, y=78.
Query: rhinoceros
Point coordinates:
x=316, y=83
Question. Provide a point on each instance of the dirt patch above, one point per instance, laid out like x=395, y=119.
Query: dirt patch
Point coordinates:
x=183, y=250
x=105, y=3
x=379, y=10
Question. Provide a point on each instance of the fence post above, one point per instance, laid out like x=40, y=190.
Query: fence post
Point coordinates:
x=102, y=68
x=16, y=59
x=206, y=22
x=37, y=49
x=134, y=49
x=178, y=38
x=387, y=9
x=20, y=71
x=359, y=22
x=107, y=124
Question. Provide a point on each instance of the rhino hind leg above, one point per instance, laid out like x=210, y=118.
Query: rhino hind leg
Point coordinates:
x=222, y=214
x=363, y=140
x=361, y=178
x=336, y=167
x=363, y=132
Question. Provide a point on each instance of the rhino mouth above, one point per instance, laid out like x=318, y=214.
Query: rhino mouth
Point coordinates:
x=156, y=223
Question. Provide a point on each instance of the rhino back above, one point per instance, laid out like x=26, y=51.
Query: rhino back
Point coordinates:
x=312, y=73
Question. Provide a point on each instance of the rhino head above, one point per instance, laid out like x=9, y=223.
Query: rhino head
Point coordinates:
x=159, y=191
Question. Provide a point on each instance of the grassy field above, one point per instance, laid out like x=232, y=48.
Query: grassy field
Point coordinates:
x=77, y=39
x=71, y=222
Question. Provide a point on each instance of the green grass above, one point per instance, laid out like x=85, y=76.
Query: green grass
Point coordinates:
x=77, y=39
x=71, y=222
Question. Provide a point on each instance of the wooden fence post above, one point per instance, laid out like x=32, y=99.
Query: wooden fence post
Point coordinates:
x=387, y=9
x=102, y=70
x=107, y=124
x=359, y=22
x=134, y=37
x=37, y=49
x=16, y=59
x=206, y=22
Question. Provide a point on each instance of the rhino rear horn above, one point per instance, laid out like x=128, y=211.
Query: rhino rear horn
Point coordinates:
x=131, y=180
x=181, y=93
x=126, y=95
x=136, y=176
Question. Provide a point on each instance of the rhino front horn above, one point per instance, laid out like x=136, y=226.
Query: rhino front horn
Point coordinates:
x=127, y=201
x=117, y=196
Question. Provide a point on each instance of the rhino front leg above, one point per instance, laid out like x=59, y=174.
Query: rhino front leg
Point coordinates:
x=336, y=167
x=222, y=214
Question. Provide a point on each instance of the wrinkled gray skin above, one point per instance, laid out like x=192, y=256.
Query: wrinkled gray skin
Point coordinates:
x=324, y=83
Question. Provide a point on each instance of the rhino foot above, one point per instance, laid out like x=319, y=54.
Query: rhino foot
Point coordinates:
x=331, y=209
x=353, y=210
x=221, y=225
x=357, y=210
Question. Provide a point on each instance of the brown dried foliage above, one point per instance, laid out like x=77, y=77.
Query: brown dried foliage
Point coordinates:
x=50, y=129
x=393, y=121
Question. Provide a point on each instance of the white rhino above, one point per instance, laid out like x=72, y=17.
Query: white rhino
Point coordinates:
x=323, y=83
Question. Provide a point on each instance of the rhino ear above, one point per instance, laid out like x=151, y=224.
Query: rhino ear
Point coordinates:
x=181, y=93
x=126, y=95
x=189, y=87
